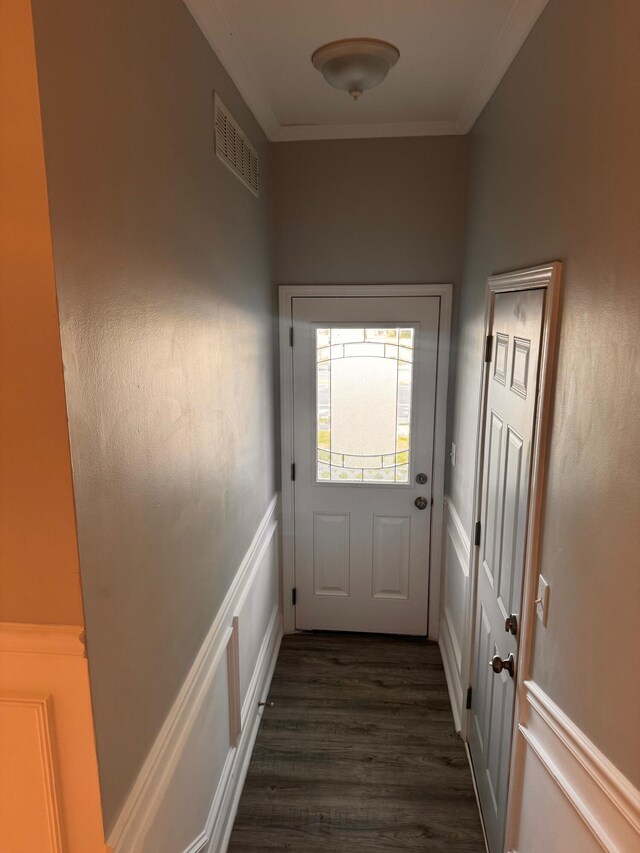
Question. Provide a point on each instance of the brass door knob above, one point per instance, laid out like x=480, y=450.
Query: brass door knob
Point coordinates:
x=497, y=664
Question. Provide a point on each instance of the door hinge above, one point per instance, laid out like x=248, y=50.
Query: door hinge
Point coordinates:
x=478, y=531
x=469, y=692
x=290, y=336
x=293, y=471
x=488, y=347
x=294, y=596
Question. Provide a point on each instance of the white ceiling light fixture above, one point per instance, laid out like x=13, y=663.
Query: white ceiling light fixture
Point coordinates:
x=354, y=65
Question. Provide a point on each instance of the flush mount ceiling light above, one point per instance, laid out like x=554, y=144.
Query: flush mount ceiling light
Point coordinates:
x=355, y=64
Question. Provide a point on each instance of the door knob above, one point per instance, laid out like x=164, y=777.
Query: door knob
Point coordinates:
x=421, y=503
x=497, y=664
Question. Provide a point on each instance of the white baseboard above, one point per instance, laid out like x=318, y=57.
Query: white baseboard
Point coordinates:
x=454, y=616
x=598, y=808
x=220, y=821
x=186, y=793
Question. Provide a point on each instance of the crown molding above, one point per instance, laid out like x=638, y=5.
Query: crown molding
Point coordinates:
x=304, y=132
x=218, y=30
x=42, y=639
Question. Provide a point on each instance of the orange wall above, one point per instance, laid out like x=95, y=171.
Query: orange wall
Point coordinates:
x=39, y=574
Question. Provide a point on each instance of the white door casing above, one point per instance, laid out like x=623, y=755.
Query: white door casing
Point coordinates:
x=509, y=421
x=362, y=548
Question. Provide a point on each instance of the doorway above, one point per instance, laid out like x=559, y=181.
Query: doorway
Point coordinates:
x=521, y=321
x=364, y=373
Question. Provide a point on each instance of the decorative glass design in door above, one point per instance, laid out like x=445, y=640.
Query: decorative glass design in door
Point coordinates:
x=364, y=390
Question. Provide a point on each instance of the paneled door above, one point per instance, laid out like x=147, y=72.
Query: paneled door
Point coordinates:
x=364, y=388
x=510, y=409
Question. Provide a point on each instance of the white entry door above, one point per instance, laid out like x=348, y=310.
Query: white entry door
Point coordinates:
x=507, y=441
x=364, y=383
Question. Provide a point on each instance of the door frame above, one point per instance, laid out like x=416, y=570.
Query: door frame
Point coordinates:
x=286, y=294
x=548, y=277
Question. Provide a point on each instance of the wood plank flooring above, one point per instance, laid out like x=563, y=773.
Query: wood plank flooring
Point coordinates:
x=359, y=753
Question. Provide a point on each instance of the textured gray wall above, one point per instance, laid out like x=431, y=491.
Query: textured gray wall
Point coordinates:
x=166, y=310
x=371, y=211
x=555, y=177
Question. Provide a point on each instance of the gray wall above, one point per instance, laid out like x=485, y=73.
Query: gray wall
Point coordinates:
x=166, y=311
x=371, y=211
x=555, y=176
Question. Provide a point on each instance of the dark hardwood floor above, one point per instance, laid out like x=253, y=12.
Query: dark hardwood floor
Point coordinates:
x=359, y=753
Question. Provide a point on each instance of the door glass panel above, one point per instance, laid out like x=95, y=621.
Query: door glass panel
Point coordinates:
x=363, y=404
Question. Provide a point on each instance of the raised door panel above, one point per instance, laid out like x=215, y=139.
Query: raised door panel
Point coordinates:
x=520, y=367
x=483, y=690
x=492, y=498
x=500, y=361
x=510, y=553
x=391, y=545
x=331, y=553
x=29, y=816
x=500, y=731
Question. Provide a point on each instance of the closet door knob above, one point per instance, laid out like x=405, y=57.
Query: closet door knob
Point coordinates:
x=497, y=664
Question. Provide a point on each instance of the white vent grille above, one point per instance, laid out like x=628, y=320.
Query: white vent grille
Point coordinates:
x=233, y=147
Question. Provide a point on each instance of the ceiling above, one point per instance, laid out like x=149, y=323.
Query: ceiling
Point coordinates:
x=453, y=54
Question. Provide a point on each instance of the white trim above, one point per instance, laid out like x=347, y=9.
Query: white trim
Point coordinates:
x=381, y=130
x=198, y=844
x=215, y=836
x=453, y=654
x=140, y=808
x=286, y=444
x=42, y=639
x=516, y=27
x=454, y=686
x=445, y=292
x=477, y=795
x=606, y=800
x=233, y=678
x=286, y=294
x=220, y=821
x=213, y=21
x=462, y=547
x=548, y=277
x=463, y=537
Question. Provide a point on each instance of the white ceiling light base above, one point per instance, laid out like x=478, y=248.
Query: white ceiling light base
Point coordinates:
x=355, y=65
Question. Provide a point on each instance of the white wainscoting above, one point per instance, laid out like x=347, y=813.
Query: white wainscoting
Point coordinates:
x=48, y=766
x=572, y=798
x=567, y=797
x=186, y=794
x=454, y=613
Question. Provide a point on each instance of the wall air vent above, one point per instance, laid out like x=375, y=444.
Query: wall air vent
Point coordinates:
x=233, y=147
